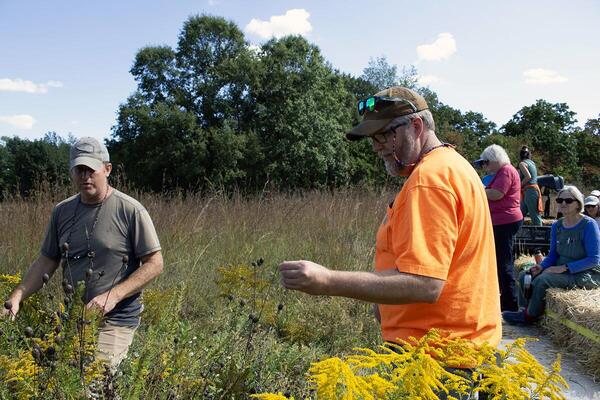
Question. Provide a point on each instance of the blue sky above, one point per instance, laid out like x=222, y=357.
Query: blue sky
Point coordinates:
x=64, y=65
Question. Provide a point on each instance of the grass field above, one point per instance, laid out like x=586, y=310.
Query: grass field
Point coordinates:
x=217, y=323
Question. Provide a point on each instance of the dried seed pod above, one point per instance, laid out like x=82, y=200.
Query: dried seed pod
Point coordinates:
x=45, y=278
x=37, y=355
x=69, y=289
x=51, y=352
x=28, y=332
x=67, y=300
x=65, y=247
x=88, y=273
x=8, y=305
x=125, y=259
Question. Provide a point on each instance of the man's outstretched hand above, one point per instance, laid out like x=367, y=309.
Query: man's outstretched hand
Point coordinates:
x=305, y=276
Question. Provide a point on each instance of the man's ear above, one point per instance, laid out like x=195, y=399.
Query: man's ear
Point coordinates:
x=108, y=169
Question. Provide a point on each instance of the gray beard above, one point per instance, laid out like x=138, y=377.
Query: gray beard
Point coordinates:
x=391, y=167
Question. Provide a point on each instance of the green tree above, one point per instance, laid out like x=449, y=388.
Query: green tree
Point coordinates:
x=380, y=73
x=158, y=146
x=549, y=130
x=215, y=70
x=303, y=111
x=28, y=164
x=155, y=72
x=588, y=152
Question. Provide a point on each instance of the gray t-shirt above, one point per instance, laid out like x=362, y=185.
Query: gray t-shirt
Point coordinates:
x=123, y=227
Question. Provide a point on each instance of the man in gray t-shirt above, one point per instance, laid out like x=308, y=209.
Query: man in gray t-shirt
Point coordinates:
x=105, y=239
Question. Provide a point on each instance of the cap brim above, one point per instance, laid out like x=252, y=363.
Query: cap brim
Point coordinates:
x=88, y=162
x=367, y=128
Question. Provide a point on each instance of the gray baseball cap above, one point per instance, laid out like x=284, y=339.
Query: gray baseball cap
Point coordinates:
x=89, y=152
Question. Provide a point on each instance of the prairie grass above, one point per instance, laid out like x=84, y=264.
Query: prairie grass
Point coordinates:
x=217, y=324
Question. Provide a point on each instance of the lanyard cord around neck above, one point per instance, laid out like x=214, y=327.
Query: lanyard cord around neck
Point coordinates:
x=88, y=234
x=423, y=154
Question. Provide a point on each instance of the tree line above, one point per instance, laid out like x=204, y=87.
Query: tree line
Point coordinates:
x=215, y=112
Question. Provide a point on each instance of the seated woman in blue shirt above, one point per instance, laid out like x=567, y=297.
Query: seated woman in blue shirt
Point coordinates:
x=573, y=260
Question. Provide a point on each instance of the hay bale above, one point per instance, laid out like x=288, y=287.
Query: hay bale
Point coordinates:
x=573, y=322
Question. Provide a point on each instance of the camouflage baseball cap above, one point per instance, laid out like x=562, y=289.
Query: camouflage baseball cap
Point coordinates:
x=390, y=103
x=89, y=152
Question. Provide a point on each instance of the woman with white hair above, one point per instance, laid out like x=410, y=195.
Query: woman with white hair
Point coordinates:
x=504, y=198
x=573, y=260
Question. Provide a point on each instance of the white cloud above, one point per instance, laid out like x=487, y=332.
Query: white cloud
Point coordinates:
x=21, y=85
x=443, y=47
x=22, y=121
x=425, y=80
x=213, y=3
x=294, y=22
x=541, y=76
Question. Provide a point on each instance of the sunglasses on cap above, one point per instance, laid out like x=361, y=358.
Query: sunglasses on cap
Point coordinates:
x=374, y=103
x=560, y=200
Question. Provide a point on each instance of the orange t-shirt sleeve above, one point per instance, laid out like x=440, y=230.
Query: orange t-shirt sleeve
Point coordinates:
x=426, y=227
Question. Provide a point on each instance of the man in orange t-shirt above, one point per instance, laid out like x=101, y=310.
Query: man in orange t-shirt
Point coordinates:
x=435, y=263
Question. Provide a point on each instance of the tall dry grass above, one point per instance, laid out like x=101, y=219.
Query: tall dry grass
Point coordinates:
x=200, y=233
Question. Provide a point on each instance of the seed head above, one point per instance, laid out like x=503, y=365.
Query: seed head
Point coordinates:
x=69, y=289
x=45, y=278
x=51, y=352
x=29, y=332
x=35, y=352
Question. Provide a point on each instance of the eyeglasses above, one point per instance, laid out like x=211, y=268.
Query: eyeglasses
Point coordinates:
x=591, y=205
x=559, y=200
x=381, y=137
x=375, y=103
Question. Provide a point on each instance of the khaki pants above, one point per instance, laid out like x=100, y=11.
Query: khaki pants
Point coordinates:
x=113, y=343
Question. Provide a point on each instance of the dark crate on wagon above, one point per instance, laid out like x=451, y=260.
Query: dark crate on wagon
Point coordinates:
x=531, y=238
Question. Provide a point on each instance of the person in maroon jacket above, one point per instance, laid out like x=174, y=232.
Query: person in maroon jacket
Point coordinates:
x=504, y=197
